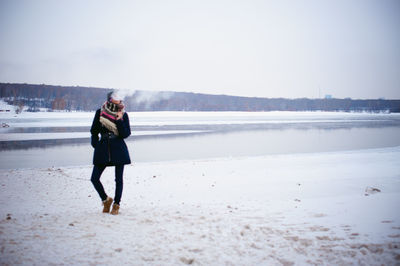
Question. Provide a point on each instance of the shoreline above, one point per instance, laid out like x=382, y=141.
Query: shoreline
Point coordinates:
x=222, y=158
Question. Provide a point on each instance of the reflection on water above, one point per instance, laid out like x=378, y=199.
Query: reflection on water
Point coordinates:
x=220, y=141
x=263, y=142
x=207, y=129
x=337, y=123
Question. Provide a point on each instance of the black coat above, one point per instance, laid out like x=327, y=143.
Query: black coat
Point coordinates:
x=110, y=151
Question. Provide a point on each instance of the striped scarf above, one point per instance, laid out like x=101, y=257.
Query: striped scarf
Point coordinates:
x=108, y=115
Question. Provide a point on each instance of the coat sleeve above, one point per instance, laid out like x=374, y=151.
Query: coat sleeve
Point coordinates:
x=123, y=126
x=95, y=129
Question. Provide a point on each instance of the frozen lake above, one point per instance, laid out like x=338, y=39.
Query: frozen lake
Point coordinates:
x=62, y=139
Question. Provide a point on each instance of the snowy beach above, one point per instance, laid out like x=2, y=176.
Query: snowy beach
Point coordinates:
x=294, y=209
x=243, y=133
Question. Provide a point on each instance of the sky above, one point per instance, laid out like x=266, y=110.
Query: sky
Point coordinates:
x=291, y=49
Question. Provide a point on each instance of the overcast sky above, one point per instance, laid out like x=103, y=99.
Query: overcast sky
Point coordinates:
x=260, y=48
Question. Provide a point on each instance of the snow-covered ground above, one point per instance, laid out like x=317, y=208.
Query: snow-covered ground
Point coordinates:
x=270, y=210
x=5, y=107
x=78, y=119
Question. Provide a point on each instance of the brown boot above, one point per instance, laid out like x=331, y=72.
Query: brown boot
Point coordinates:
x=115, y=209
x=107, y=205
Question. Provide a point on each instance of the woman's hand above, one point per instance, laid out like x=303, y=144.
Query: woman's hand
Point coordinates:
x=119, y=115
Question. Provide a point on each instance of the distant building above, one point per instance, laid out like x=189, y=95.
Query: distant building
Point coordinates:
x=328, y=96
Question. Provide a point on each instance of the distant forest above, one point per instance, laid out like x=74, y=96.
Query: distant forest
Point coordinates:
x=33, y=98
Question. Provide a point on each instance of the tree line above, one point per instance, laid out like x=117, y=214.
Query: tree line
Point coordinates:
x=76, y=98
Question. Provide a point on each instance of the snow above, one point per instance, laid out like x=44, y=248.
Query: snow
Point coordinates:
x=5, y=106
x=268, y=210
x=80, y=119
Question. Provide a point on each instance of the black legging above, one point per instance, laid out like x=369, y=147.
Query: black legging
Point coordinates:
x=96, y=174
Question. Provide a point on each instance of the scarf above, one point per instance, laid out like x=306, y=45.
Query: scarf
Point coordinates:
x=108, y=115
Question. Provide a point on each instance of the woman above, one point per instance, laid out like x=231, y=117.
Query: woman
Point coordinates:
x=112, y=123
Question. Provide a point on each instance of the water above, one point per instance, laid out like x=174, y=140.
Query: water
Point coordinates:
x=209, y=137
